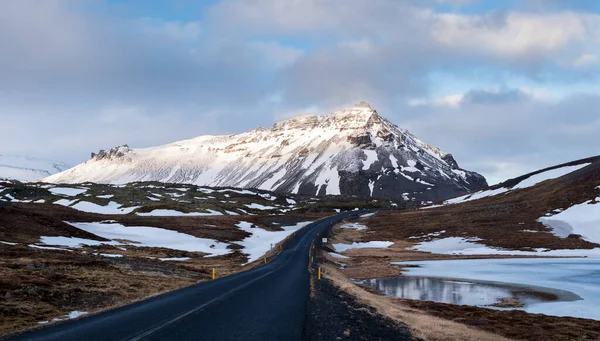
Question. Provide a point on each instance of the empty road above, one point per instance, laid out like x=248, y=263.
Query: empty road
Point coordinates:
x=265, y=303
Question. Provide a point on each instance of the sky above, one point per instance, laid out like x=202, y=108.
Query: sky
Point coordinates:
x=506, y=86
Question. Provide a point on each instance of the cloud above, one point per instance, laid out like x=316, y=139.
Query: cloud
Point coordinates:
x=75, y=78
x=478, y=96
x=517, y=35
x=508, y=138
x=585, y=61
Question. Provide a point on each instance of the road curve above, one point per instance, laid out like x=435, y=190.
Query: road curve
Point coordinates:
x=264, y=303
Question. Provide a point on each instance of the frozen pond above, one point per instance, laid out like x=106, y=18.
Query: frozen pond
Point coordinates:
x=551, y=286
x=446, y=290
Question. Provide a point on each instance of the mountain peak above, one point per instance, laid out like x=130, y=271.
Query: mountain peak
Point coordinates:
x=26, y=168
x=363, y=104
x=352, y=151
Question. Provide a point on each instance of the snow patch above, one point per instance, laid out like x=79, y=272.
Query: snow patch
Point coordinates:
x=111, y=208
x=337, y=255
x=355, y=245
x=260, y=240
x=582, y=219
x=355, y=226
x=67, y=191
x=255, y=206
x=155, y=237
x=75, y=314
x=469, y=246
x=173, y=213
x=548, y=175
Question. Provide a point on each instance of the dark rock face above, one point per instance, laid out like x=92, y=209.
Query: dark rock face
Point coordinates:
x=396, y=186
x=354, y=183
x=360, y=140
x=116, y=152
x=450, y=161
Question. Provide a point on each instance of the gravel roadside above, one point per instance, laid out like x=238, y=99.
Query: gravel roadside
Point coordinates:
x=333, y=314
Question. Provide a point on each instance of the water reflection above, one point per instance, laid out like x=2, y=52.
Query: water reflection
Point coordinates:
x=456, y=291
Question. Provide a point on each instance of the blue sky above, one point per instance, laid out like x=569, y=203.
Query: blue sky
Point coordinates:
x=506, y=86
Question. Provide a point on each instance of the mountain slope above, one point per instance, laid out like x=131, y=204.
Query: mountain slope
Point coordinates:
x=556, y=208
x=527, y=180
x=353, y=151
x=25, y=168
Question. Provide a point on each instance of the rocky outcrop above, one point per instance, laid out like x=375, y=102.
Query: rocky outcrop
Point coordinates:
x=116, y=152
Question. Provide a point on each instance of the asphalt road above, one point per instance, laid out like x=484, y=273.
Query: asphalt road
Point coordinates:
x=265, y=303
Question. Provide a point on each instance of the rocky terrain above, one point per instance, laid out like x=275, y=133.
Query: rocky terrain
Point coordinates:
x=353, y=151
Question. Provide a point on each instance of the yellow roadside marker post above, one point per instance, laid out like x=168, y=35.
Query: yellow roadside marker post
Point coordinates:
x=213, y=274
x=265, y=259
x=319, y=274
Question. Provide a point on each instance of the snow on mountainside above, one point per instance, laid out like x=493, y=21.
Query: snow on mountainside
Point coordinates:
x=525, y=181
x=25, y=168
x=353, y=151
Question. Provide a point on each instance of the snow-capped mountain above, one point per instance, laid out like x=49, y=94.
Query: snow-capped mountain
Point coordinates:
x=24, y=168
x=353, y=151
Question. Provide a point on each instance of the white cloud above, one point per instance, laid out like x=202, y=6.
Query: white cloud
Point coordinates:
x=517, y=35
x=452, y=101
x=585, y=60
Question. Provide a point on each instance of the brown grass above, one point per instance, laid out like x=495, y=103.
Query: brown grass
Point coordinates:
x=498, y=220
x=512, y=323
x=38, y=285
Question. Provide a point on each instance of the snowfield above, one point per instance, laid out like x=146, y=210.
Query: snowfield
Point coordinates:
x=337, y=255
x=175, y=259
x=355, y=245
x=582, y=219
x=173, y=213
x=260, y=240
x=155, y=237
x=469, y=246
x=26, y=169
x=355, y=226
x=67, y=191
x=111, y=208
x=255, y=206
x=548, y=175
x=255, y=246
